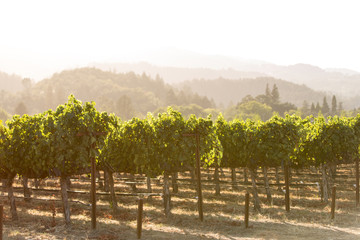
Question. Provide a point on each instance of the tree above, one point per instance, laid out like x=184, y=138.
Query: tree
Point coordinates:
x=254, y=107
x=183, y=98
x=275, y=95
x=267, y=91
x=283, y=108
x=325, y=109
x=124, y=107
x=317, y=108
x=340, y=108
x=171, y=98
x=305, y=110
x=266, y=98
x=201, y=101
x=4, y=115
x=21, y=109
x=262, y=98
x=333, y=106
x=247, y=98
x=312, y=109
x=26, y=82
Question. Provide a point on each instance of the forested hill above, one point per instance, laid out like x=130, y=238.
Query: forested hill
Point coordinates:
x=341, y=82
x=10, y=83
x=225, y=91
x=175, y=75
x=126, y=94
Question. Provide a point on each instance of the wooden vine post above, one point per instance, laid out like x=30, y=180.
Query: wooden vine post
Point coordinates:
x=93, y=184
x=247, y=202
x=139, y=218
x=217, y=181
x=93, y=180
x=1, y=221
x=357, y=183
x=287, y=189
x=198, y=172
x=333, y=203
x=166, y=195
x=93, y=193
x=200, y=201
x=321, y=192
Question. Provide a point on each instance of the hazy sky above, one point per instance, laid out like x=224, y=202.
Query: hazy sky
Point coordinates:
x=38, y=38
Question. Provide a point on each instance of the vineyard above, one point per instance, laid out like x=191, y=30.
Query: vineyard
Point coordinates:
x=88, y=169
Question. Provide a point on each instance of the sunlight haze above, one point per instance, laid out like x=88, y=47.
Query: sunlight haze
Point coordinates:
x=39, y=38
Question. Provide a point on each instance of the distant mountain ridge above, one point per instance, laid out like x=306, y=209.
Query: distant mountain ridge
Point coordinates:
x=335, y=81
x=174, y=75
x=126, y=94
x=296, y=83
x=226, y=91
x=344, y=71
x=342, y=82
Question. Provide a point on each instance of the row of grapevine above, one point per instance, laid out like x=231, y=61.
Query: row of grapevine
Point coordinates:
x=159, y=146
x=55, y=143
x=62, y=142
x=290, y=142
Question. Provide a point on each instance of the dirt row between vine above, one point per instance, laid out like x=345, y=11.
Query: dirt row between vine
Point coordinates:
x=223, y=215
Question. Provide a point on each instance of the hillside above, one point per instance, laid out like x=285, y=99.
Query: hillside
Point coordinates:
x=225, y=91
x=126, y=94
x=10, y=83
x=175, y=75
x=130, y=94
x=186, y=65
x=336, y=81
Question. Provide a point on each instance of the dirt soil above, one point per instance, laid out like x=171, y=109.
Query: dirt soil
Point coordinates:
x=309, y=218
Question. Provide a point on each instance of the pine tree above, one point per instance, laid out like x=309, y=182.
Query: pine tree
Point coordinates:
x=317, y=108
x=325, y=107
x=312, y=109
x=333, y=106
x=275, y=94
x=305, y=110
x=171, y=98
x=267, y=91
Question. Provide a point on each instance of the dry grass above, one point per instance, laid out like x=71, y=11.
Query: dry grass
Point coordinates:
x=223, y=215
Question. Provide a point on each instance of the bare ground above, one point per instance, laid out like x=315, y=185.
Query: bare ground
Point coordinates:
x=309, y=218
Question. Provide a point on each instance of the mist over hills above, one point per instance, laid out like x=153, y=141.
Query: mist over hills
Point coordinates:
x=311, y=83
x=175, y=75
x=344, y=71
x=228, y=91
x=335, y=81
x=10, y=83
x=222, y=79
x=175, y=65
x=126, y=94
